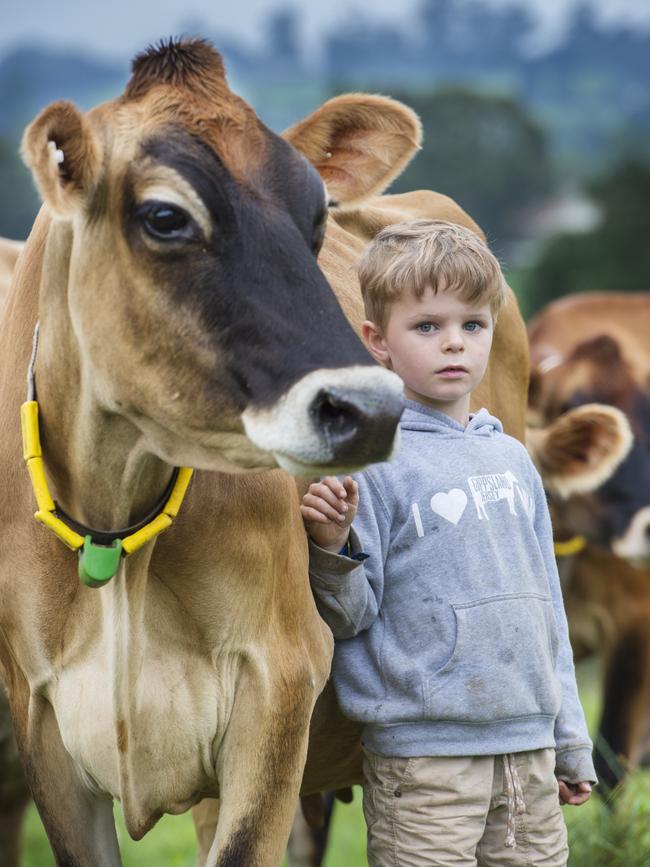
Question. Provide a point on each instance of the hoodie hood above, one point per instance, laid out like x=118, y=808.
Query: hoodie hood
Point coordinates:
x=418, y=417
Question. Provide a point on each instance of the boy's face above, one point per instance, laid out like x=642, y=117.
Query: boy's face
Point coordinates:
x=439, y=345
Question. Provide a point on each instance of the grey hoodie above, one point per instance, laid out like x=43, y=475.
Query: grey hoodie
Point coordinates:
x=452, y=637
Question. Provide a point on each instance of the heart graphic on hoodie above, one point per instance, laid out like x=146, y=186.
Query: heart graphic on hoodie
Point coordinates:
x=451, y=505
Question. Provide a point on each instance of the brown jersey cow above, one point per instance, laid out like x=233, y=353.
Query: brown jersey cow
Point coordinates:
x=594, y=347
x=184, y=321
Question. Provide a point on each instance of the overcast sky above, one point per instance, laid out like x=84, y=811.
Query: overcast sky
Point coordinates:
x=120, y=27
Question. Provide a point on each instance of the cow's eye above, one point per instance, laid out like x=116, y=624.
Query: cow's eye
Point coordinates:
x=166, y=222
x=318, y=235
x=317, y=238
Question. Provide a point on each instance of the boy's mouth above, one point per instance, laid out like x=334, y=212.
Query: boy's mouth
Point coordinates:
x=452, y=370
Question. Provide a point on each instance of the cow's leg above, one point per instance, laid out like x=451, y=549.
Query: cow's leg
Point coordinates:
x=260, y=766
x=205, y=816
x=308, y=839
x=79, y=823
x=11, y=826
x=306, y=846
x=14, y=793
x=625, y=702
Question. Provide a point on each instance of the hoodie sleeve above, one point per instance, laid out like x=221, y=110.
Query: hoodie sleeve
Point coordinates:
x=349, y=590
x=573, y=747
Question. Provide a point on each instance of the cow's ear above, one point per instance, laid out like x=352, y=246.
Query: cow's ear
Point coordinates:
x=534, y=389
x=64, y=156
x=580, y=449
x=359, y=143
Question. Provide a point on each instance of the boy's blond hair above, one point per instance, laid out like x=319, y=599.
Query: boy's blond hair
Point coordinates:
x=407, y=257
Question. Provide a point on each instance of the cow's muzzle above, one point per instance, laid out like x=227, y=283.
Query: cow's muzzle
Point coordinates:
x=634, y=544
x=331, y=421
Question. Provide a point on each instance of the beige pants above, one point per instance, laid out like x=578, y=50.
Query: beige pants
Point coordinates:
x=491, y=811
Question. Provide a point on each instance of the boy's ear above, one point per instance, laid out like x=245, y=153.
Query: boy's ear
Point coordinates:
x=374, y=340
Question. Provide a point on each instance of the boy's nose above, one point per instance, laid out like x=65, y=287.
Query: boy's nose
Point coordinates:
x=454, y=343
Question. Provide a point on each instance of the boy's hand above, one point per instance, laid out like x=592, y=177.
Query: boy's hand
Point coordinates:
x=328, y=508
x=574, y=793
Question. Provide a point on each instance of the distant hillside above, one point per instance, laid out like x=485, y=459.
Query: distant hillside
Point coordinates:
x=590, y=90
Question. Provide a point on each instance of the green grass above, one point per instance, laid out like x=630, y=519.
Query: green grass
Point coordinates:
x=170, y=844
x=598, y=837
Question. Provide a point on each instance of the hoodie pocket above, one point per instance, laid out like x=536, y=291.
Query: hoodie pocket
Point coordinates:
x=503, y=663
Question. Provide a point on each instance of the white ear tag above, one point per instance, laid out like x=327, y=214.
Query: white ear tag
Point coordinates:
x=56, y=154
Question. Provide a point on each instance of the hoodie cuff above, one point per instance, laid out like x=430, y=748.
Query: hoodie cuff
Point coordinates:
x=575, y=766
x=328, y=567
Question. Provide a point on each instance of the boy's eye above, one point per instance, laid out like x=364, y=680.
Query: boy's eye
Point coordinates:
x=472, y=326
x=425, y=327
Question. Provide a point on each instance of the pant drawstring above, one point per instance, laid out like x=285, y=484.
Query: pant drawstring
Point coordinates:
x=514, y=797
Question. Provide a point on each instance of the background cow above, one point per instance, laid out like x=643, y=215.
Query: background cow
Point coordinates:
x=595, y=348
x=585, y=348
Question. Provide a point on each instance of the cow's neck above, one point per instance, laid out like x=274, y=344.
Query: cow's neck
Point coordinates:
x=101, y=475
x=99, y=469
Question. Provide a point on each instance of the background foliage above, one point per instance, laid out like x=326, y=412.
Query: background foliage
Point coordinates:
x=521, y=139
x=612, y=256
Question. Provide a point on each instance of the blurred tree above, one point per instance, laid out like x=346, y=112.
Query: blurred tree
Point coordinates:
x=615, y=256
x=482, y=150
x=283, y=36
x=369, y=51
x=461, y=37
x=32, y=76
x=18, y=197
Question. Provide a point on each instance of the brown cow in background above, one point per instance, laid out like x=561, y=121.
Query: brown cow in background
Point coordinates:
x=595, y=348
x=584, y=348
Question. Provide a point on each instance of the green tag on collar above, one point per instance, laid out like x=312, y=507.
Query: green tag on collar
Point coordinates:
x=99, y=563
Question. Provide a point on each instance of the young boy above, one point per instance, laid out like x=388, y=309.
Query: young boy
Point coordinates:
x=452, y=645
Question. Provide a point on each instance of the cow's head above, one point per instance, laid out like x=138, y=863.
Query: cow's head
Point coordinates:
x=598, y=475
x=184, y=252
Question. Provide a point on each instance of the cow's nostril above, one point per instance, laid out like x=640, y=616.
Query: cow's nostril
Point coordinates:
x=358, y=425
x=337, y=417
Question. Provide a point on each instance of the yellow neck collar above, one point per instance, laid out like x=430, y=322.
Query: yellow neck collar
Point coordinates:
x=571, y=546
x=98, y=563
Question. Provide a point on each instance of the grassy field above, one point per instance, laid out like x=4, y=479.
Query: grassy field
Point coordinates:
x=598, y=837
